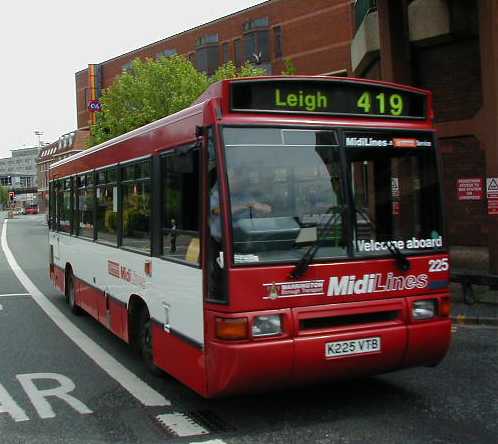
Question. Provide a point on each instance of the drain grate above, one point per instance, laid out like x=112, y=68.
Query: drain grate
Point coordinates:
x=211, y=421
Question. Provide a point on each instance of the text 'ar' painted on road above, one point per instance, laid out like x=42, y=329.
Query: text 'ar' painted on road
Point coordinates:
x=38, y=397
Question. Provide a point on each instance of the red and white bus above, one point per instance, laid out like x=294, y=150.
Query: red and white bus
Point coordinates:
x=280, y=231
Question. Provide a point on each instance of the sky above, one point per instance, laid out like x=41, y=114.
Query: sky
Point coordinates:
x=43, y=43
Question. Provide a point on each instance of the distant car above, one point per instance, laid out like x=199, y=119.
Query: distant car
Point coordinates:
x=32, y=209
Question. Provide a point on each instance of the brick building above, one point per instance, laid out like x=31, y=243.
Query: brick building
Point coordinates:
x=267, y=33
x=447, y=46
x=67, y=145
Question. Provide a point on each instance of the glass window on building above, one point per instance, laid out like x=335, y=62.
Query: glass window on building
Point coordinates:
x=237, y=52
x=277, y=41
x=256, y=46
x=225, y=52
x=256, y=41
x=208, y=59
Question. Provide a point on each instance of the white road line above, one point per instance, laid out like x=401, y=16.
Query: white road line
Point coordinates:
x=135, y=386
x=211, y=441
x=8, y=295
x=181, y=425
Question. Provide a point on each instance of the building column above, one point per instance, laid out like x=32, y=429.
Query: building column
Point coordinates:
x=395, y=57
x=487, y=121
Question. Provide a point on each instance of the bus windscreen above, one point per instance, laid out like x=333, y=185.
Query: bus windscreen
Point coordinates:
x=285, y=186
x=395, y=190
x=292, y=189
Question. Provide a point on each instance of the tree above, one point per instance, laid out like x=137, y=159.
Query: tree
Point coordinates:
x=153, y=89
x=148, y=91
x=230, y=71
x=4, y=196
x=290, y=69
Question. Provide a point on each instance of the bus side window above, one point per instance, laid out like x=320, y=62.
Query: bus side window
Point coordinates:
x=107, y=206
x=180, y=205
x=136, y=206
x=86, y=209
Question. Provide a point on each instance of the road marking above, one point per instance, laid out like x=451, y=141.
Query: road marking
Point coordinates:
x=37, y=396
x=11, y=295
x=181, y=425
x=129, y=381
x=211, y=441
x=8, y=405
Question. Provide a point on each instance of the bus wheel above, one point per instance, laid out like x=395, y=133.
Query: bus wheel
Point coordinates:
x=145, y=342
x=71, y=294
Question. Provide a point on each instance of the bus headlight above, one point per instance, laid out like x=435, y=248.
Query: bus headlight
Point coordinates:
x=270, y=325
x=424, y=309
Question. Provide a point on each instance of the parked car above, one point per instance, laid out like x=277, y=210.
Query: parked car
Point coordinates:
x=32, y=209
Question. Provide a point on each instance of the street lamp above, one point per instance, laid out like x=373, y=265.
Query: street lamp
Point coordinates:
x=39, y=134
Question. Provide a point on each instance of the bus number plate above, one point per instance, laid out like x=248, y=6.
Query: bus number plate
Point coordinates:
x=353, y=347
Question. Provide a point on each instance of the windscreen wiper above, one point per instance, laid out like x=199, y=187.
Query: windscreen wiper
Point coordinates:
x=401, y=261
x=304, y=263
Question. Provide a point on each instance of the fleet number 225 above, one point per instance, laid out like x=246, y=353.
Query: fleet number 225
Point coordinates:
x=436, y=265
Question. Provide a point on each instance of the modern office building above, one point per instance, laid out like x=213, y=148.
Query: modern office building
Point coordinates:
x=447, y=46
x=18, y=173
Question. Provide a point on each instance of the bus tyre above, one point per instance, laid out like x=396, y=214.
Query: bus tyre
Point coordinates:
x=71, y=295
x=145, y=342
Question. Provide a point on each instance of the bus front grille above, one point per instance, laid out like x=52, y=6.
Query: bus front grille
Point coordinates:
x=320, y=323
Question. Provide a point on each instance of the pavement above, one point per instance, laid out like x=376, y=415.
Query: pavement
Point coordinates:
x=483, y=312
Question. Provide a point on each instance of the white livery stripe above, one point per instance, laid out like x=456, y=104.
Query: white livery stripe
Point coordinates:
x=14, y=295
x=135, y=386
x=181, y=425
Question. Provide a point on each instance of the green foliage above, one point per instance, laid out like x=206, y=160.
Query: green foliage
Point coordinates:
x=153, y=89
x=4, y=195
x=148, y=91
x=290, y=69
x=230, y=71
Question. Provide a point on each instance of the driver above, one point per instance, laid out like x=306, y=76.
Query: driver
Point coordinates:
x=244, y=203
x=243, y=200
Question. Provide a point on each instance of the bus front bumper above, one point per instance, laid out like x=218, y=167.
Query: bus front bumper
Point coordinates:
x=274, y=364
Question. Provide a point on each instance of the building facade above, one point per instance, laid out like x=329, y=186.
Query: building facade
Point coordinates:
x=447, y=46
x=67, y=145
x=18, y=174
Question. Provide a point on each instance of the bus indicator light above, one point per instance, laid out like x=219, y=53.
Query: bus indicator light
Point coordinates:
x=231, y=328
x=444, y=307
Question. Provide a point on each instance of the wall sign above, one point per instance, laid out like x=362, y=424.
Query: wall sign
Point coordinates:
x=492, y=195
x=470, y=188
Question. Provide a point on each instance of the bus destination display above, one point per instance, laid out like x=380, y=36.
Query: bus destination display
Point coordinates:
x=327, y=97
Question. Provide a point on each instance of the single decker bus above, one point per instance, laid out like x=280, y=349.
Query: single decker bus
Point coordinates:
x=280, y=231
